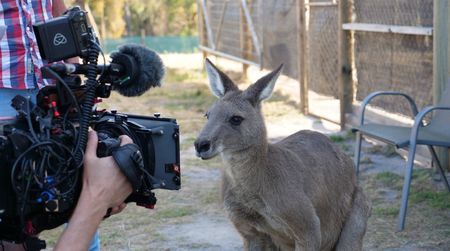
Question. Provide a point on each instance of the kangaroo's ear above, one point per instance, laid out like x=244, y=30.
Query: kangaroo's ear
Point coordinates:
x=218, y=81
x=263, y=88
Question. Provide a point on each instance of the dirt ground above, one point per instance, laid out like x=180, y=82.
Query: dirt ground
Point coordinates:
x=193, y=218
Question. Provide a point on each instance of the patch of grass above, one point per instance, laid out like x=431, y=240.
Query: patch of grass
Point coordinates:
x=188, y=142
x=337, y=138
x=366, y=160
x=317, y=122
x=350, y=135
x=211, y=196
x=177, y=75
x=344, y=147
x=277, y=96
x=342, y=137
x=51, y=236
x=435, y=199
x=386, y=211
x=421, y=174
x=175, y=212
x=158, y=237
x=389, y=179
x=386, y=150
x=201, y=246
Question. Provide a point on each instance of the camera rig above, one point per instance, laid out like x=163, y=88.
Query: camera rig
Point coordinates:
x=42, y=150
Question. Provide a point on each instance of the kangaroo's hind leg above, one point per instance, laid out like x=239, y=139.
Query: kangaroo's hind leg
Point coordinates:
x=352, y=234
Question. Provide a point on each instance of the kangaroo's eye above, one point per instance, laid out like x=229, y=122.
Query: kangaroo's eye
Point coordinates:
x=236, y=120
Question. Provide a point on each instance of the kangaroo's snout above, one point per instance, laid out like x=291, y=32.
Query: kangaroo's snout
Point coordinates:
x=202, y=147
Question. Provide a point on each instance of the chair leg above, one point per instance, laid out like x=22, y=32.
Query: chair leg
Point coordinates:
x=406, y=185
x=357, y=151
x=438, y=163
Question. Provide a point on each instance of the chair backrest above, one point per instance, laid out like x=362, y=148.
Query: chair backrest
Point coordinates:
x=441, y=118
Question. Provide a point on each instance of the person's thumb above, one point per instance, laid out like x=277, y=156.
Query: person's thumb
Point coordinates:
x=91, y=147
x=124, y=139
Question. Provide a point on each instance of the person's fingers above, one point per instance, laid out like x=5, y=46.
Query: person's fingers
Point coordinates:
x=118, y=209
x=124, y=139
x=91, y=147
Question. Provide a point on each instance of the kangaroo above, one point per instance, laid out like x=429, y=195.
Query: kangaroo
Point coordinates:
x=297, y=194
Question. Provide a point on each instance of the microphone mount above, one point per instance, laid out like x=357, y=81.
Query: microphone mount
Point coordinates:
x=133, y=70
x=121, y=71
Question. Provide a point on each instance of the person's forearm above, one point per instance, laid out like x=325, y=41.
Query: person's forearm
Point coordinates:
x=82, y=225
x=58, y=8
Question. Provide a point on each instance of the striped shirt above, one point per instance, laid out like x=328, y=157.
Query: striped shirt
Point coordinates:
x=20, y=58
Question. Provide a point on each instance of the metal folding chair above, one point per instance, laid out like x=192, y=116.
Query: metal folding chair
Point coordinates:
x=435, y=133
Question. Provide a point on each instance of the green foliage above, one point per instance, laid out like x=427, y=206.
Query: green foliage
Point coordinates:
x=342, y=137
x=337, y=138
x=387, y=211
x=435, y=199
x=117, y=18
x=159, y=17
x=389, y=179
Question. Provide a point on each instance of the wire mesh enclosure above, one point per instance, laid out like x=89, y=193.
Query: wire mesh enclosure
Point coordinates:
x=232, y=29
x=390, y=46
x=394, y=61
x=323, y=49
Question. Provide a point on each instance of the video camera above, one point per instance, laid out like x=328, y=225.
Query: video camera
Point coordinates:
x=42, y=150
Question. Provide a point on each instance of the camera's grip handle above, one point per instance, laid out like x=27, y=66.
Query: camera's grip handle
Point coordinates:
x=106, y=144
x=129, y=159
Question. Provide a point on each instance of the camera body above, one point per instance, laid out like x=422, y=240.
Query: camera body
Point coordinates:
x=41, y=152
x=158, y=139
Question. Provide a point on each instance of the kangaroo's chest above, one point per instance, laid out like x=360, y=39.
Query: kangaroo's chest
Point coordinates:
x=247, y=206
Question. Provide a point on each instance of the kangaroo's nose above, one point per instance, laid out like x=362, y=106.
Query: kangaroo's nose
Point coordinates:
x=202, y=145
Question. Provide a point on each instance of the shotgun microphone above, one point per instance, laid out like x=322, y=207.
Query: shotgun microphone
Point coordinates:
x=144, y=68
x=133, y=70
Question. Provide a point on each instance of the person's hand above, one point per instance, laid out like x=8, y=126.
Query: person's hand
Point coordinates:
x=74, y=60
x=104, y=186
x=102, y=178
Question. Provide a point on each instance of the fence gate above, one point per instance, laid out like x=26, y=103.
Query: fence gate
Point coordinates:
x=322, y=34
x=231, y=29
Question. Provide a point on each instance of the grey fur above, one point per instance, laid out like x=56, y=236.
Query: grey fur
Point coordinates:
x=297, y=194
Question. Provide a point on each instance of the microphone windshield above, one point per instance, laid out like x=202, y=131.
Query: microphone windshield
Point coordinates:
x=144, y=66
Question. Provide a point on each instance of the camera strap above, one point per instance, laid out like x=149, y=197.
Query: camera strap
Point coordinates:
x=129, y=159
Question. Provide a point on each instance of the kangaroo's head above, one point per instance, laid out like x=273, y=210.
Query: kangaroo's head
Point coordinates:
x=235, y=122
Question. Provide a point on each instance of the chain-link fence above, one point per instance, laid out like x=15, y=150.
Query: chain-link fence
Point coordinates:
x=390, y=61
x=232, y=29
x=323, y=49
x=386, y=58
x=280, y=39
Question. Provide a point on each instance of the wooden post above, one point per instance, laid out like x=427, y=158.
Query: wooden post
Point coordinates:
x=345, y=61
x=302, y=54
x=243, y=37
x=201, y=30
x=440, y=60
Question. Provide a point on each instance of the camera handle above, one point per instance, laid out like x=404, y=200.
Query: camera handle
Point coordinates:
x=128, y=158
x=130, y=161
